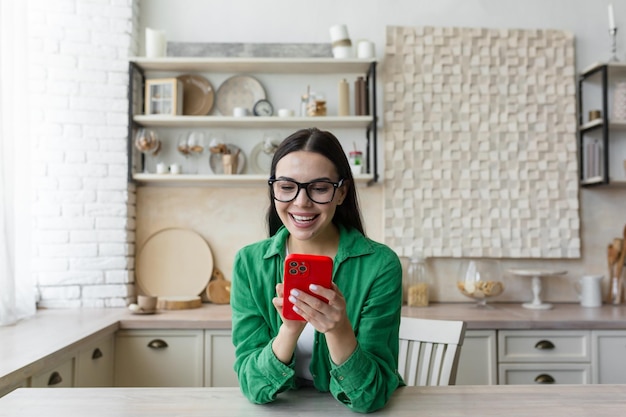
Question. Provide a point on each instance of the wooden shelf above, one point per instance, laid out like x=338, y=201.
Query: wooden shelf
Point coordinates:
x=591, y=124
x=218, y=180
x=614, y=68
x=256, y=65
x=141, y=67
x=329, y=122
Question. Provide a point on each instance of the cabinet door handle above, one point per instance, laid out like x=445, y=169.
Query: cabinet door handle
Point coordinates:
x=157, y=344
x=55, y=378
x=97, y=353
x=544, y=345
x=544, y=379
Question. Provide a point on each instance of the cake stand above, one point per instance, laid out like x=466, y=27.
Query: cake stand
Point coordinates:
x=536, y=275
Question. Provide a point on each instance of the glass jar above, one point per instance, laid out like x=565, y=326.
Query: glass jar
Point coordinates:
x=417, y=282
x=356, y=157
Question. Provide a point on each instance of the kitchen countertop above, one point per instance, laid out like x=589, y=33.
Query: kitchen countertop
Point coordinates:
x=448, y=401
x=30, y=346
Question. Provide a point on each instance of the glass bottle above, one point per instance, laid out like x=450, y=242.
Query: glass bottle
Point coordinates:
x=417, y=282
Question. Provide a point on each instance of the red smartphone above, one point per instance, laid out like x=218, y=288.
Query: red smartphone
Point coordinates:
x=302, y=270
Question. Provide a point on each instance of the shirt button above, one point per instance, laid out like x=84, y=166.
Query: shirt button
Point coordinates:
x=284, y=373
x=341, y=378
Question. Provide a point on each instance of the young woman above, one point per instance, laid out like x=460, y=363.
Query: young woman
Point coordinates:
x=348, y=346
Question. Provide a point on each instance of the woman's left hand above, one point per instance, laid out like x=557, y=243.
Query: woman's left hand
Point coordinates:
x=324, y=316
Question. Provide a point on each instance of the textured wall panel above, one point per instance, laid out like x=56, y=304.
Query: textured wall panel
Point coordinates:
x=480, y=143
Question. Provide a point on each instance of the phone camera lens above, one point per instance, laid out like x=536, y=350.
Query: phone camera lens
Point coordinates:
x=302, y=268
x=293, y=271
x=293, y=264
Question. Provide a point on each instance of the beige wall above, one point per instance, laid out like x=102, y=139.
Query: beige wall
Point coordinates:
x=229, y=218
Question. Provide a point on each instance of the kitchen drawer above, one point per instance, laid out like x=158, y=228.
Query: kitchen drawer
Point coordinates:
x=159, y=358
x=61, y=376
x=544, y=373
x=544, y=346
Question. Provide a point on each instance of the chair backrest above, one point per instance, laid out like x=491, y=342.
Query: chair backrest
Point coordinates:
x=429, y=350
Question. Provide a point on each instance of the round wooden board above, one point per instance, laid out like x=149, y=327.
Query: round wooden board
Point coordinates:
x=174, y=262
x=179, y=303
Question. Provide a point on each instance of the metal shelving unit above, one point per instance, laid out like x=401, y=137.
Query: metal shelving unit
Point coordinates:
x=600, y=73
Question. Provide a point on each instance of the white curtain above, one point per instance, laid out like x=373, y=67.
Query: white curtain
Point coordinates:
x=17, y=295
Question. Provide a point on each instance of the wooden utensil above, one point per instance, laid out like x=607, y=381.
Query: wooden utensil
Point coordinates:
x=612, y=256
x=218, y=290
x=620, y=266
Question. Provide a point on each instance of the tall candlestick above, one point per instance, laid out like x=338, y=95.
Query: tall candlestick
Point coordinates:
x=613, y=34
x=611, y=18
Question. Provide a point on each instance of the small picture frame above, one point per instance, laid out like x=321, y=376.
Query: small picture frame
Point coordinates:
x=164, y=96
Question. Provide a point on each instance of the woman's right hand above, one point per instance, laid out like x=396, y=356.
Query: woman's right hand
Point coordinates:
x=284, y=343
x=292, y=325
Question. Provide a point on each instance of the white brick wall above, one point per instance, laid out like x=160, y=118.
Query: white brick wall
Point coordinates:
x=83, y=210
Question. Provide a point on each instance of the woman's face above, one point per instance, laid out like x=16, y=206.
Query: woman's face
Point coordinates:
x=305, y=219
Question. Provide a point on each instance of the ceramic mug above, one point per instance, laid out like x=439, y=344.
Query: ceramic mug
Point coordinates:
x=147, y=302
x=589, y=289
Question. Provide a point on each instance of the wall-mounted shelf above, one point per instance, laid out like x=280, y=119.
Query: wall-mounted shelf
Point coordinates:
x=140, y=67
x=328, y=122
x=256, y=65
x=217, y=180
x=594, y=137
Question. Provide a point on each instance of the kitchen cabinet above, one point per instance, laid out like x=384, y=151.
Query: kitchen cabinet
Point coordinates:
x=157, y=358
x=283, y=70
x=59, y=376
x=4, y=390
x=95, y=364
x=609, y=352
x=478, y=362
x=219, y=358
x=544, y=357
x=602, y=140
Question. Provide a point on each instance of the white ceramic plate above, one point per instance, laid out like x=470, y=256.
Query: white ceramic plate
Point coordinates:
x=238, y=91
x=215, y=160
x=174, y=262
x=260, y=161
x=198, y=95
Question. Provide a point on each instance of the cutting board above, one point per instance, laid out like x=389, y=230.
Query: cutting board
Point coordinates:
x=218, y=290
x=174, y=263
x=179, y=303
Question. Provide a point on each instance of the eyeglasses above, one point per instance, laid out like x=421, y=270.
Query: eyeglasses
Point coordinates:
x=320, y=192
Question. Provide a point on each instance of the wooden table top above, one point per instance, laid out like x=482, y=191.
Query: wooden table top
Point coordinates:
x=483, y=401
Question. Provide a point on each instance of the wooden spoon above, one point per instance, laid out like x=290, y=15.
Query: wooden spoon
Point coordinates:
x=620, y=266
x=612, y=256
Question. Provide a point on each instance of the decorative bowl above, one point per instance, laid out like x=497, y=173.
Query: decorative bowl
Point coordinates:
x=480, y=280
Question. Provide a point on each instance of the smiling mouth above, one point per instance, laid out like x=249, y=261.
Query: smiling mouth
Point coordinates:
x=303, y=219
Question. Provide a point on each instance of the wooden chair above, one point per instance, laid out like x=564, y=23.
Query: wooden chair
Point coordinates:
x=429, y=350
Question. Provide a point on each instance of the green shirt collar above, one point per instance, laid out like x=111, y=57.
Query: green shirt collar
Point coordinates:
x=351, y=243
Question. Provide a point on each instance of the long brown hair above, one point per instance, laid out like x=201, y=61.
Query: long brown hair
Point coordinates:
x=326, y=144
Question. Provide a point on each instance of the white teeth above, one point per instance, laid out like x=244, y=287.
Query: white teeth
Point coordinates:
x=302, y=218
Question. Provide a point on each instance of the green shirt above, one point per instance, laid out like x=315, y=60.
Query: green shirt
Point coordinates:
x=369, y=275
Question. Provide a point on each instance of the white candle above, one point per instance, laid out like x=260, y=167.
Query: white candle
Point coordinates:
x=611, y=18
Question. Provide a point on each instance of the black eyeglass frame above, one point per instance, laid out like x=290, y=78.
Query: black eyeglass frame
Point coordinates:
x=304, y=185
